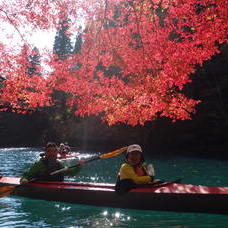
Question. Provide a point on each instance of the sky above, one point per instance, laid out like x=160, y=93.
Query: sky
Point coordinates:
x=43, y=39
x=40, y=38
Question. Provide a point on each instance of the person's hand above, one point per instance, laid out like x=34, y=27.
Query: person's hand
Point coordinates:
x=150, y=170
x=23, y=181
x=157, y=181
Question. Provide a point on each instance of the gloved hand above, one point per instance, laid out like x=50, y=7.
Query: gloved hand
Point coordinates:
x=150, y=170
x=23, y=181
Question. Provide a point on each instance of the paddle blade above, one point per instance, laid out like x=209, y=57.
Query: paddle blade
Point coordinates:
x=6, y=190
x=113, y=153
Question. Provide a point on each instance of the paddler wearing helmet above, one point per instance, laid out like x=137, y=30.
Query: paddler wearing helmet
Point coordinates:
x=48, y=163
x=133, y=171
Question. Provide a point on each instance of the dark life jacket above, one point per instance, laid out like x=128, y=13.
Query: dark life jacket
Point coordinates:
x=51, y=166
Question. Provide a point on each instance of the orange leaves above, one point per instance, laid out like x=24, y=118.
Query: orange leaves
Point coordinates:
x=21, y=91
x=25, y=93
x=118, y=60
x=179, y=107
x=135, y=60
x=153, y=62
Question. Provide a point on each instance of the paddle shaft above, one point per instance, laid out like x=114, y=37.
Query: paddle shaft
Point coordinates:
x=74, y=166
x=102, y=156
x=87, y=161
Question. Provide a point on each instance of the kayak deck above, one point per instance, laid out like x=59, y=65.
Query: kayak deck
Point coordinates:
x=168, y=187
x=169, y=196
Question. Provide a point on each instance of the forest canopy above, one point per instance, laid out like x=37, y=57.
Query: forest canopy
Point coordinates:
x=131, y=59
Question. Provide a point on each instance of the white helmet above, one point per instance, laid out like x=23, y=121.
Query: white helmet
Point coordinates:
x=134, y=147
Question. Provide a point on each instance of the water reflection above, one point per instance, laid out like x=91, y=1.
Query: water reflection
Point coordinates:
x=107, y=218
x=22, y=212
x=31, y=213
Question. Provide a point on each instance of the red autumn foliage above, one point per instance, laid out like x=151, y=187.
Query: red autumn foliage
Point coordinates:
x=156, y=45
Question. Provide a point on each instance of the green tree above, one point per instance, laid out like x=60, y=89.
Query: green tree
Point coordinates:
x=34, y=63
x=78, y=43
x=62, y=44
x=60, y=117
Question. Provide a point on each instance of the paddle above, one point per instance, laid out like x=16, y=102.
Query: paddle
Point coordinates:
x=102, y=156
x=6, y=190
x=9, y=188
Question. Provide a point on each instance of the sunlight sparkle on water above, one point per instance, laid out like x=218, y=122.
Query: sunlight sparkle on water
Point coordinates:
x=94, y=178
x=65, y=208
x=117, y=215
x=105, y=213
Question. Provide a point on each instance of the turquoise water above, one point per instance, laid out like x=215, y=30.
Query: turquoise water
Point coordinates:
x=24, y=212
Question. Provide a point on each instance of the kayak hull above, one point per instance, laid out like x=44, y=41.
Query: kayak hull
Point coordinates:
x=153, y=198
x=132, y=200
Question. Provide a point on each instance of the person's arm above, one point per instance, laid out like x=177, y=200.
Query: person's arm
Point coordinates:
x=74, y=171
x=34, y=172
x=127, y=172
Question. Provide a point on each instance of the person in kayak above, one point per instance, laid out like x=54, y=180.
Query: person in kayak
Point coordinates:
x=64, y=148
x=133, y=172
x=48, y=163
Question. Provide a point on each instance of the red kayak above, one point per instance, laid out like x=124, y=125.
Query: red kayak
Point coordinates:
x=69, y=155
x=168, y=196
x=69, y=159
